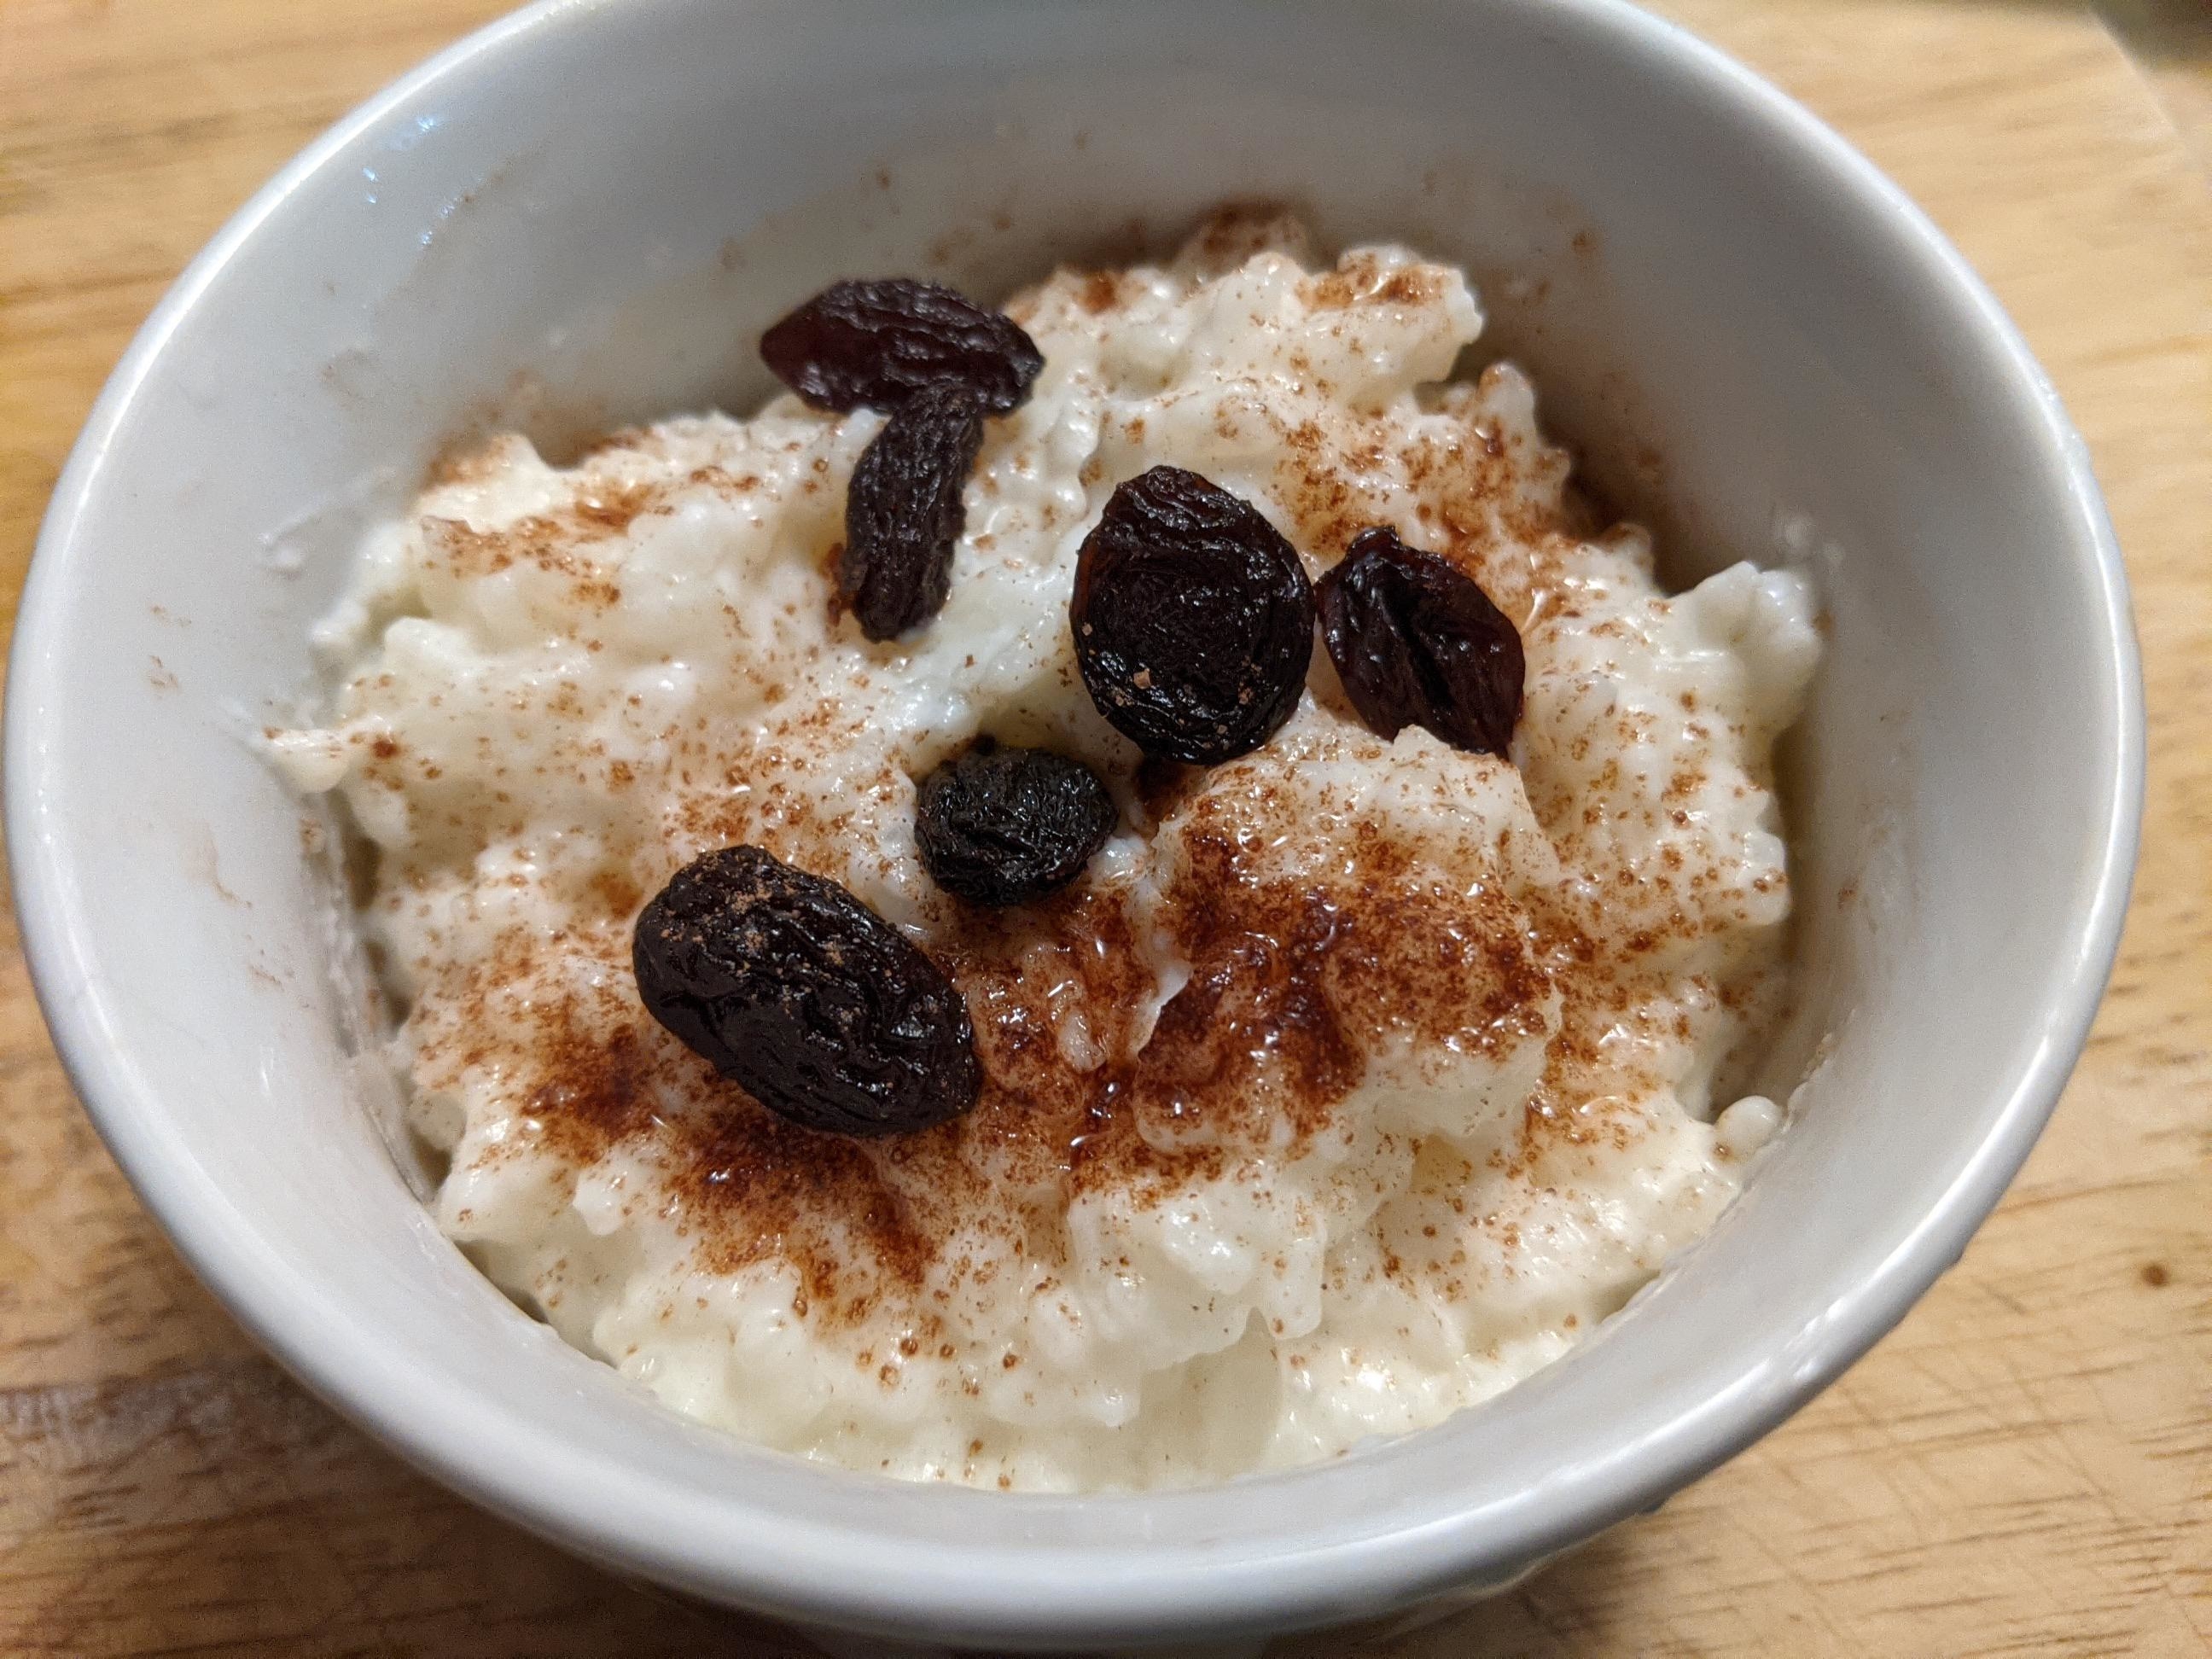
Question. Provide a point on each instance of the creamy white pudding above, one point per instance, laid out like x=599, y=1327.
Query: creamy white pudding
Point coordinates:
x=1354, y=1081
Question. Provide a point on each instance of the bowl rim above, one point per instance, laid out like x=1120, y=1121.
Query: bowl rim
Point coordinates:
x=499, y=1462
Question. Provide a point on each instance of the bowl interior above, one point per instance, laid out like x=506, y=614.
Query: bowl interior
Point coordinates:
x=583, y=218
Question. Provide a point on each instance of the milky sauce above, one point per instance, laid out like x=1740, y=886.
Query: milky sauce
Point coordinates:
x=1355, y=1081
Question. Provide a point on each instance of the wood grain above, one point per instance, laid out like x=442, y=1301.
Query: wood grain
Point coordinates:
x=2025, y=1466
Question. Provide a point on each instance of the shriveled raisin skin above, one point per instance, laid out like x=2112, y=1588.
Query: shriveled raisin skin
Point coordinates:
x=904, y=512
x=1002, y=826
x=809, y=1001
x=880, y=341
x=1194, y=619
x=1418, y=642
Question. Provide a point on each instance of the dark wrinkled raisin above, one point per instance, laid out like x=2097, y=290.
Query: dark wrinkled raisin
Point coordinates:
x=1194, y=619
x=904, y=512
x=1007, y=826
x=878, y=343
x=809, y=1001
x=1417, y=642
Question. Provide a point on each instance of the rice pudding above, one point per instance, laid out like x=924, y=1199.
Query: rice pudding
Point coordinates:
x=1352, y=1081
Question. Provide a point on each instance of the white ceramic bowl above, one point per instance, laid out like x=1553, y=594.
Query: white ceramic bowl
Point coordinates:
x=583, y=215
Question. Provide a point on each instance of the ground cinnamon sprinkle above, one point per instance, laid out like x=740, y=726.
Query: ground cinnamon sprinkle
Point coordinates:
x=1287, y=982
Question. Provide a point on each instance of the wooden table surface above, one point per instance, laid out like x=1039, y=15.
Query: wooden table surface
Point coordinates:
x=2025, y=1465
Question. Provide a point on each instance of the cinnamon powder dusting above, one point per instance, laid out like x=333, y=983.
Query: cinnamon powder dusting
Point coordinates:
x=1290, y=982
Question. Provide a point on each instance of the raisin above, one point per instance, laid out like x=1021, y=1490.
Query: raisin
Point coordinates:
x=1194, y=619
x=878, y=343
x=903, y=511
x=1417, y=642
x=1007, y=826
x=809, y=1001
